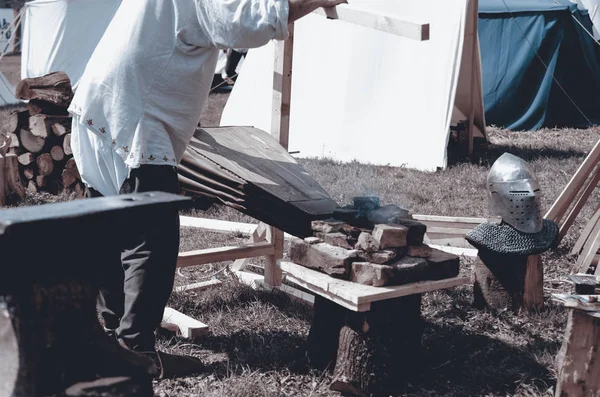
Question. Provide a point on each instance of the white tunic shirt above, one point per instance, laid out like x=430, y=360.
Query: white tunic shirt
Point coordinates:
x=141, y=95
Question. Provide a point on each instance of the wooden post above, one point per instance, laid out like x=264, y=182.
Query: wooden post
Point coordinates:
x=508, y=282
x=533, y=294
x=473, y=13
x=2, y=181
x=280, y=129
x=577, y=362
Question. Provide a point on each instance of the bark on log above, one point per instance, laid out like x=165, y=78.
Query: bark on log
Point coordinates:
x=67, y=145
x=334, y=261
x=45, y=164
x=36, y=106
x=499, y=281
x=71, y=163
x=57, y=153
x=14, y=141
x=32, y=187
x=32, y=143
x=54, y=88
x=29, y=172
x=41, y=181
x=378, y=350
x=79, y=189
x=323, y=337
x=10, y=124
x=61, y=128
x=26, y=158
x=11, y=173
x=38, y=125
x=578, y=363
x=69, y=177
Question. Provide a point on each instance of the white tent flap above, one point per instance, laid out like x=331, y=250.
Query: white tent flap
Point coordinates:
x=360, y=94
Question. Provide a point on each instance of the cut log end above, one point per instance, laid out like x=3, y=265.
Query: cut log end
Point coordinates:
x=45, y=164
x=57, y=153
x=67, y=145
x=30, y=142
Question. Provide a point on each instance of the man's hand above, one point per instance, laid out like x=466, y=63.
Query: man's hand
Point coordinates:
x=300, y=8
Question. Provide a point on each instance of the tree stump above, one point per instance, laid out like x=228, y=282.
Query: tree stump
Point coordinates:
x=578, y=362
x=48, y=299
x=324, y=334
x=374, y=352
x=508, y=282
x=379, y=350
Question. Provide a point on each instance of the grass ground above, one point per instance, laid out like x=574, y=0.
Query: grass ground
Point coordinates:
x=257, y=340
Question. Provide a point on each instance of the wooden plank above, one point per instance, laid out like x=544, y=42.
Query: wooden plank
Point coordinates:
x=452, y=219
x=195, y=287
x=216, y=225
x=589, y=251
x=470, y=252
x=257, y=281
x=378, y=21
x=577, y=361
x=273, y=273
x=590, y=187
x=585, y=233
x=566, y=197
x=188, y=326
x=355, y=296
x=533, y=295
x=221, y=254
x=282, y=89
x=447, y=231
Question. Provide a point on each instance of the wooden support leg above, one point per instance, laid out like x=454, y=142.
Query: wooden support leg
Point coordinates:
x=2, y=181
x=324, y=334
x=259, y=235
x=273, y=274
x=533, y=293
x=578, y=362
x=508, y=282
x=378, y=350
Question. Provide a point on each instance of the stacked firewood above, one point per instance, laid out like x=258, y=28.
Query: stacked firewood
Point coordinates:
x=40, y=137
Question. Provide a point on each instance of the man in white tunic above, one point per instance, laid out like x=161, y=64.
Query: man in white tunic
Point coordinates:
x=134, y=112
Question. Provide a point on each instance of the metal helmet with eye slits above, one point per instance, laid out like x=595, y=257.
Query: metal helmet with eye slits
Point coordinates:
x=514, y=194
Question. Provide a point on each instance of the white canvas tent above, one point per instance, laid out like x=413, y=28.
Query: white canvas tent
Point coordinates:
x=360, y=94
x=61, y=35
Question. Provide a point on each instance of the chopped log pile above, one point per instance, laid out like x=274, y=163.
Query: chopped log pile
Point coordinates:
x=38, y=140
x=373, y=245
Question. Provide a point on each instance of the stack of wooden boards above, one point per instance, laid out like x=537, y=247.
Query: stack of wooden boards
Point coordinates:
x=39, y=137
x=247, y=169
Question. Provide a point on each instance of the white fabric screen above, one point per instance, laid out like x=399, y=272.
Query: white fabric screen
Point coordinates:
x=360, y=94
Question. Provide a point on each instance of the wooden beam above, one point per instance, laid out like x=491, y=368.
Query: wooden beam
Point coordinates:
x=216, y=225
x=259, y=235
x=355, y=296
x=282, y=89
x=533, y=295
x=378, y=21
x=188, y=326
x=566, y=197
x=585, y=233
x=257, y=281
x=221, y=254
x=585, y=195
x=197, y=286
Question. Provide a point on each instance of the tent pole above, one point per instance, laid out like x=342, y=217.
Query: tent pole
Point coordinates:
x=473, y=7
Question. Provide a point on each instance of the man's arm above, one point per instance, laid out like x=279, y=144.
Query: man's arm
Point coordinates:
x=300, y=8
x=249, y=23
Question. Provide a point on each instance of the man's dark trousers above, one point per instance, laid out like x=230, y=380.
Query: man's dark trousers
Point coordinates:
x=138, y=283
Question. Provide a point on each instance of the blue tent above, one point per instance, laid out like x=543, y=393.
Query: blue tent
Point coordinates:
x=523, y=44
